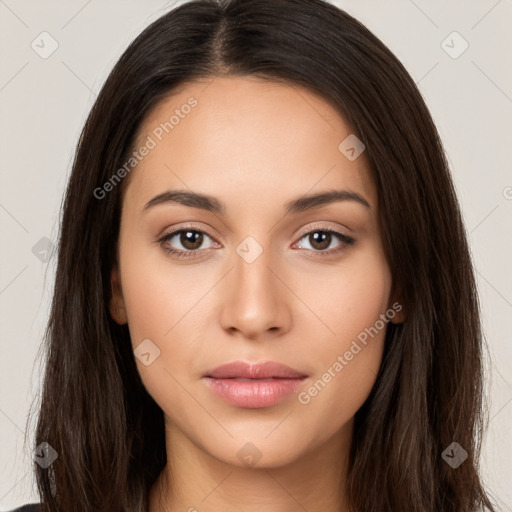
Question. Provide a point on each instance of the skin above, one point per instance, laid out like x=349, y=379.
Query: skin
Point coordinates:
x=254, y=145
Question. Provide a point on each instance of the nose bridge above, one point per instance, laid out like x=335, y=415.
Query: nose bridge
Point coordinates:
x=254, y=301
x=254, y=281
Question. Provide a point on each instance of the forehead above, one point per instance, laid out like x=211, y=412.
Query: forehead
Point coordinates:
x=244, y=137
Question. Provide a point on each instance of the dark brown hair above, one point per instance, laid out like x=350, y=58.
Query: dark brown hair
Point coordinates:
x=95, y=412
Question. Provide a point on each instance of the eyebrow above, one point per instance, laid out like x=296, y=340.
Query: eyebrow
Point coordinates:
x=212, y=204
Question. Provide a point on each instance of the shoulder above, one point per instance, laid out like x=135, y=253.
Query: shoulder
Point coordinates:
x=32, y=507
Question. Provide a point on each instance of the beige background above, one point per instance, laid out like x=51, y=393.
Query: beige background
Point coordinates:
x=44, y=102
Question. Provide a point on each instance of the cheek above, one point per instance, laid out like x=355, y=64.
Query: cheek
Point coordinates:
x=349, y=352
x=159, y=303
x=157, y=294
x=163, y=305
x=348, y=298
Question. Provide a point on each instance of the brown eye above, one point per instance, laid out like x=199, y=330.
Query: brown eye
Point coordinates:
x=321, y=239
x=190, y=240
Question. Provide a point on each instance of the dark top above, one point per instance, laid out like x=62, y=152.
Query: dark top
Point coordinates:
x=32, y=507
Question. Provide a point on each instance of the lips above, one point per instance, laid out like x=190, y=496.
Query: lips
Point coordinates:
x=254, y=386
x=260, y=370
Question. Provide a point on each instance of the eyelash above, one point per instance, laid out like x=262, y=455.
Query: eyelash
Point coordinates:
x=346, y=242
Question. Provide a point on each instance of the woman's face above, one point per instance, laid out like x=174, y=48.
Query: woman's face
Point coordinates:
x=261, y=282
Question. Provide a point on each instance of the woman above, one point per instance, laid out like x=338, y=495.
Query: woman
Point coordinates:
x=264, y=296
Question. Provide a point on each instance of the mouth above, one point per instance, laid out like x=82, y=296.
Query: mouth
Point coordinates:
x=253, y=386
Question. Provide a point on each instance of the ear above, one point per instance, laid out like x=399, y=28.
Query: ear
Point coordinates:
x=396, y=309
x=116, y=304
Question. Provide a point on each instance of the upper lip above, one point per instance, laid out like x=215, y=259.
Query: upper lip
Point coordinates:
x=259, y=370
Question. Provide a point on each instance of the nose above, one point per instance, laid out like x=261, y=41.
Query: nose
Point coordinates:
x=255, y=300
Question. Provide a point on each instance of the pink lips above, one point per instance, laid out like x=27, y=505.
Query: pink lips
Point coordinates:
x=253, y=385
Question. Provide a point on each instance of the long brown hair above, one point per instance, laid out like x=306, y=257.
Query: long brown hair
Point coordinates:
x=95, y=412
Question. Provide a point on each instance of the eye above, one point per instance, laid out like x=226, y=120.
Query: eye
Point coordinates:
x=192, y=242
x=322, y=238
x=190, y=239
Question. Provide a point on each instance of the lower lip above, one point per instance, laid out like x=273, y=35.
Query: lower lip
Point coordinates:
x=253, y=394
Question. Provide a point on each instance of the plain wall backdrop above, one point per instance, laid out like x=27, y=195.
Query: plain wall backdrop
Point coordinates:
x=55, y=57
